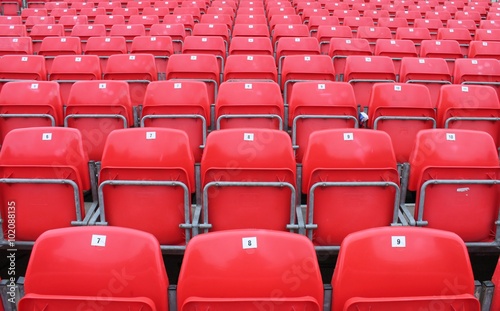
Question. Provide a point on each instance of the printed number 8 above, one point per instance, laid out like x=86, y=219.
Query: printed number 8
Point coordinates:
x=249, y=243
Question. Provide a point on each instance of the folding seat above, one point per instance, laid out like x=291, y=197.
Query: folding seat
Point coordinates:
x=10, y=20
x=284, y=30
x=414, y=34
x=295, y=46
x=468, y=15
x=316, y=21
x=109, y=20
x=249, y=104
x=54, y=46
x=104, y=47
x=250, y=30
x=52, y=5
x=183, y=19
x=69, y=21
x=92, y=13
x=484, y=49
x=449, y=175
x=278, y=10
x=458, y=4
x=401, y=110
x=108, y=6
x=368, y=276
x=422, y=8
x=16, y=46
x=373, y=34
x=432, y=3
x=376, y=14
x=38, y=20
x=13, y=30
x=319, y=105
x=78, y=6
x=474, y=107
x=110, y=262
x=251, y=10
x=461, y=35
x=489, y=24
x=447, y=49
x=266, y=257
x=354, y=22
x=470, y=25
x=151, y=11
x=444, y=16
x=250, y=67
x=53, y=164
x=139, y=5
x=310, y=12
x=302, y=6
x=432, y=24
x=450, y=8
x=396, y=50
x=11, y=8
x=22, y=67
x=175, y=31
x=362, y=7
x=410, y=16
x=332, y=6
x=326, y=33
x=68, y=69
x=487, y=35
x=146, y=181
x=160, y=47
x=201, y=5
x=261, y=178
x=251, y=46
x=251, y=4
x=26, y=104
x=217, y=19
x=181, y=105
x=431, y=72
x=393, y=23
x=341, y=48
x=25, y=13
x=138, y=70
x=363, y=71
x=213, y=30
x=251, y=19
x=146, y=20
x=485, y=71
x=493, y=16
x=342, y=14
x=206, y=45
x=380, y=3
x=40, y=31
x=60, y=12
x=96, y=108
x=84, y=32
x=285, y=20
x=125, y=12
x=299, y=68
x=392, y=8
x=356, y=172
x=201, y=67
x=224, y=3
x=128, y=31
x=171, y=5
x=221, y=10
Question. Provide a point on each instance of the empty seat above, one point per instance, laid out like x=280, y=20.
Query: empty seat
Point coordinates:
x=184, y=19
x=461, y=35
x=202, y=67
x=18, y=46
x=92, y=13
x=401, y=110
x=487, y=35
x=217, y=19
x=295, y=46
x=69, y=21
x=54, y=46
x=326, y=33
x=96, y=108
x=128, y=31
x=288, y=30
x=146, y=20
x=67, y=69
x=12, y=30
x=432, y=24
x=447, y=49
x=256, y=67
x=206, y=45
x=393, y=23
x=267, y=257
x=182, y=105
x=26, y=12
x=373, y=34
x=104, y=47
x=109, y=20
x=175, y=31
x=396, y=50
x=84, y=32
x=249, y=104
x=431, y=72
x=11, y=20
x=261, y=179
x=484, y=71
x=469, y=25
x=250, y=30
x=319, y=105
x=316, y=21
x=351, y=180
x=452, y=177
x=109, y=260
x=284, y=20
x=414, y=34
x=146, y=181
x=22, y=67
x=363, y=71
x=341, y=48
x=40, y=31
x=138, y=70
x=29, y=104
x=53, y=165
x=474, y=107
x=160, y=47
x=251, y=19
x=354, y=22
x=251, y=46
x=367, y=259
x=126, y=12
x=484, y=49
x=213, y=30
x=33, y=20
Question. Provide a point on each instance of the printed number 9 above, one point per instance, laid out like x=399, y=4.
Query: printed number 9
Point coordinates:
x=398, y=241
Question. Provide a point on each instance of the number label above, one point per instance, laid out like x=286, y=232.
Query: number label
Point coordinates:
x=250, y=242
x=398, y=241
x=348, y=136
x=248, y=136
x=98, y=240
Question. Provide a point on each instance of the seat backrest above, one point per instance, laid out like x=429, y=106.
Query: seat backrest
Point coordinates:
x=309, y=67
x=16, y=45
x=53, y=46
x=484, y=49
x=131, y=67
x=448, y=49
x=129, y=31
x=251, y=46
x=381, y=262
x=395, y=48
x=94, y=265
x=13, y=30
x=105, y=46
x=158, y=46
x=71, y=67
x=272, y=260
x=86, y=31
x=476, y=70
x=250, y=67
x=250, y=30
x=22, y=67
x=487, y=35
x=433, y=69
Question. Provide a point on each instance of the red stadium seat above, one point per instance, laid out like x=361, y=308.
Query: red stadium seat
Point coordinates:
x=447, y=49
x=128, y=31
x=461, y=35
x=414, y=34
x=341, y=48
x=250, y=30
x=206, y=45
x=396, y=50
x=484, y=49
x=13, y=30
x=250, y=67
x=16, y=46
x=485, y=71
x=84, y=32
x=160, y=47
x=152, y=168
x=54, y=46
x=104, y=47
x=487, y=35
x=22, y=67
x=327, y=33
x=175, y=31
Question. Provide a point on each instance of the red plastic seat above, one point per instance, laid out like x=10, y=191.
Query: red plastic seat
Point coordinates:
x=68, y=69
x=250, y=67
x=22, y=67
x=470, y=25
x=295, y=46
x=393, y=23
x=364, y=71
x=375, y=271
x=104, y=47
x=195, y=12
x=251, y=19
x=251, y=46
x=484, y=49
x=108, y=6
x=327, y=33
x=92, y=13
x=217, y=19
x=396, y=50
x=128, y=31
x=179, y=105
x=468, y=15
x=354, y=22
x=96, y=108
x=53, y=164
x=29, y=104
x=474, y=107
x=40, y=31
x=152, y=168
x=319, y=105
x=109, y=20
x=250, y=30
x=266, y=257
x=484, y=71
x=13, y=30
x=286, y=31
x=316, y=21
x=341, y=48
x=69, y=21
x=201, y=67
x=96, y=257
x=454, y=178
x=213, y=30
x=15, y=46
x=175, y=31
x=183, y=19
x=54, y=46
x=33, y=20
x=401, y=110
x=160, y=47
x=25, y=13
x=410, y=16
x=432, y=24
x=84, y=32
x=206, y=45
x=431, y=72
x=444, y=16
x=356, y=173
x=125, y=12
x=449, y=50
x=249, y=104
x=261, y=179
x=461, y=35
x=146, y=20
x=414, y=34
x=373, y=34
x=284, y=20
x=487, y=35
x=11, y=20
